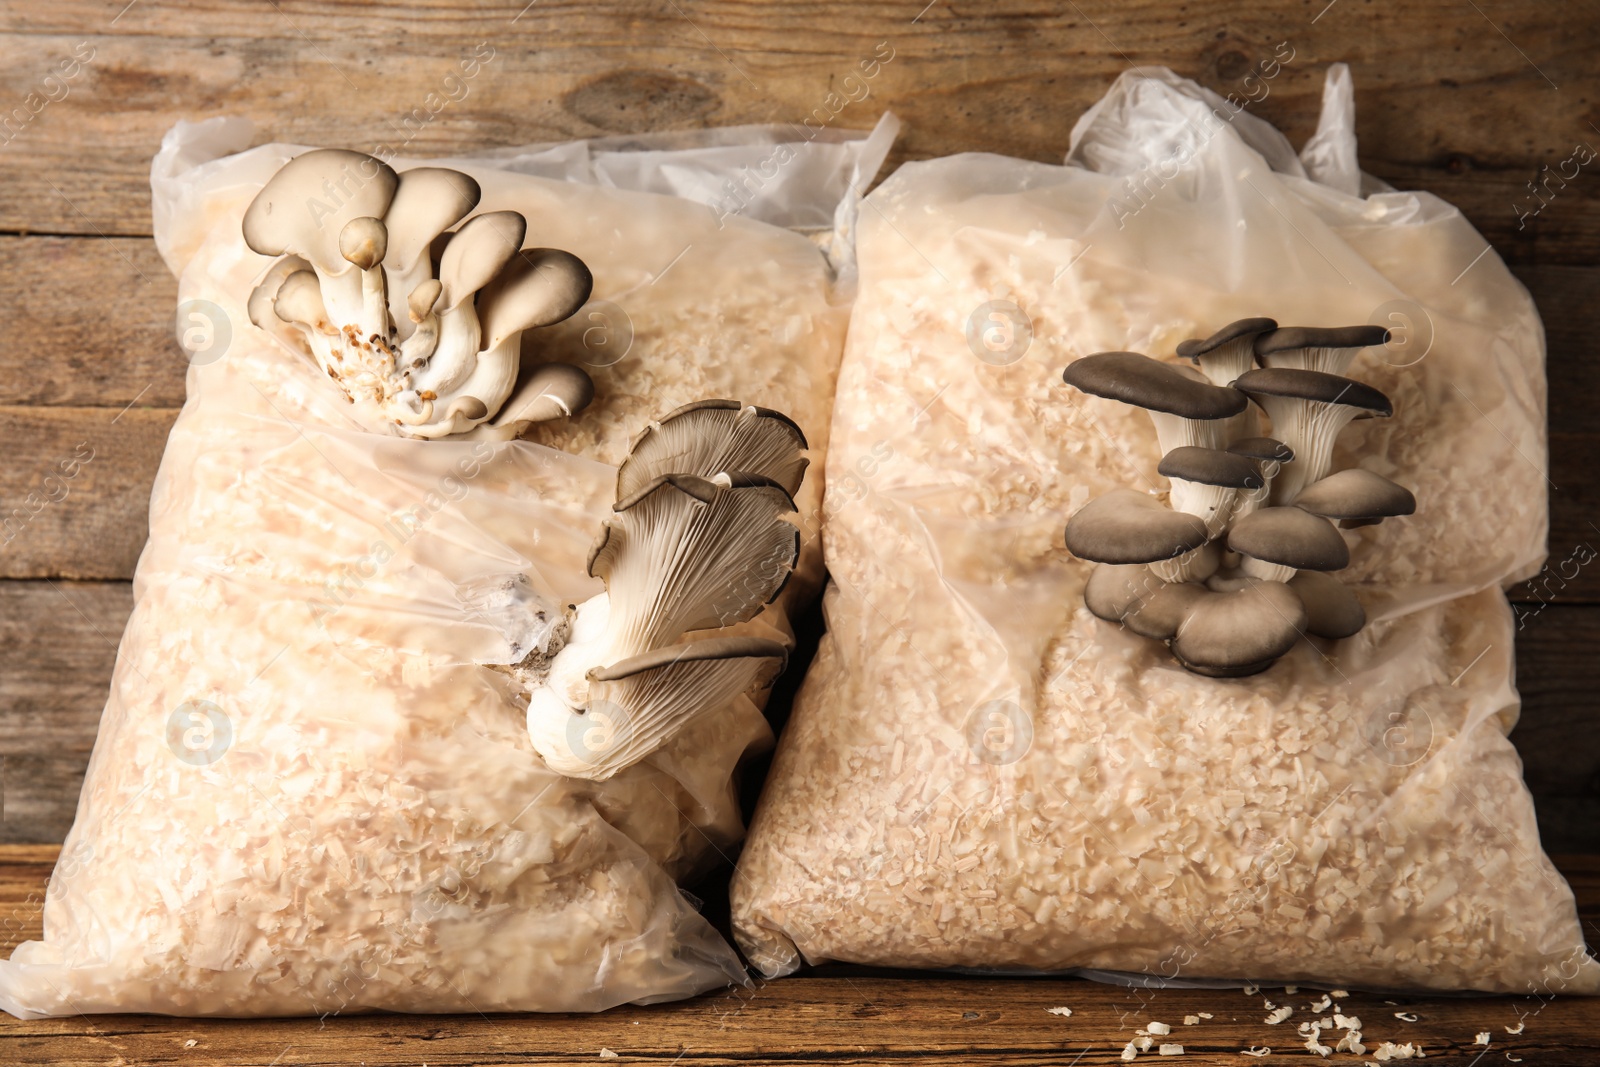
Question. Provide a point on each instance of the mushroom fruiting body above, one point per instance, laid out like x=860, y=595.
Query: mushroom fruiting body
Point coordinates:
x=1356, y=495
x=699, y=546
x=1326, y=349
x=1126, y=526
x=634, y=706
x=1224, y=356
x=407, y=348
x=1332, y=610
x=1229, y=352
x=1308, y=409
x=1232, y=574
x=1208, y=482
x=1234, y=634
x=1277, y=542
x=1185, y=408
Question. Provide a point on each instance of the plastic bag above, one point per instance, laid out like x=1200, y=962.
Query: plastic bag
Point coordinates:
x=313, y=790
x=979, y=773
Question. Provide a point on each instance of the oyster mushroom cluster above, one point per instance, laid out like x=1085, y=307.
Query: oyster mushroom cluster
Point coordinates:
x=420, y=326
x=699, y=541
x=1235, y=566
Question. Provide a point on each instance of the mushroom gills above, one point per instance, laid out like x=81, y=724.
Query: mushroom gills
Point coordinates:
x=637, y=705
x=709, y=437
x=681, y=553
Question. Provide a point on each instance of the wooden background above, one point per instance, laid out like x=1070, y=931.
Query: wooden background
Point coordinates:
x=1471, y=99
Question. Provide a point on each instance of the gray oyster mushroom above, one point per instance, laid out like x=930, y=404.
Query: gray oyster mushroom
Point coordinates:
x=1276, y=542
x=1209, y=482
x=1185, y=408
x=1329, y=349
x=1270, y=455
x=1229, y=352
x=1126, y=526
x=1356, y=497
x=1308, y=409
x=1239, y=633
x=1232, y=598
x=416, y=354
x=686, y=551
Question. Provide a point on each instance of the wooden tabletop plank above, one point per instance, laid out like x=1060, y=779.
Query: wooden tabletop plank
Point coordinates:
x=76, y=489
x=839, y=1015
x=1473, y=112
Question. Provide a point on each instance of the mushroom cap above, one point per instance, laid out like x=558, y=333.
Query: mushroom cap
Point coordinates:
x=1148, y=383
x=1211, y=466
x=1194, y=347
x=709, y=437
x=477, y=252
x=1113, y=589
x=1291, y=337
x=299, y=300
x=420, y=304
x=547, y=391
x=1262, y=448
x=1356, y=493
x=1332, y=609
x=1313, y=385
x=1127, y=526
x=292, y=214
x=427, y=202
x=538, y=287
x=1290, y=537
x=688, y=553
x=1160, y=614
x=363, y=241
x=1231, y=635
x=266, y=292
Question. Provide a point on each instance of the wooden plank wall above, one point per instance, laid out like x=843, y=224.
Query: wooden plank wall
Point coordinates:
x=1479, y=101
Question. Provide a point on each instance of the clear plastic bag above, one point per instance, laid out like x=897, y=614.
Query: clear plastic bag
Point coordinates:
x=313, y=790
x=979, y=773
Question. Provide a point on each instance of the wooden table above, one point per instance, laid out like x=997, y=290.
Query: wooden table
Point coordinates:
x=1471, y=99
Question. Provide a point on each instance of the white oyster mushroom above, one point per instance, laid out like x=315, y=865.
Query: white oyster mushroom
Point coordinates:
x=636, y=705
x=304, y=208
x=408, y=348
x=265, y=294
x=428, y=201
x=682, y=553
x=710, y=436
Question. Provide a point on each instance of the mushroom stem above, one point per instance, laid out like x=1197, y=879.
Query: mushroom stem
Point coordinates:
x=1195, y=565
x=1270, y=572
